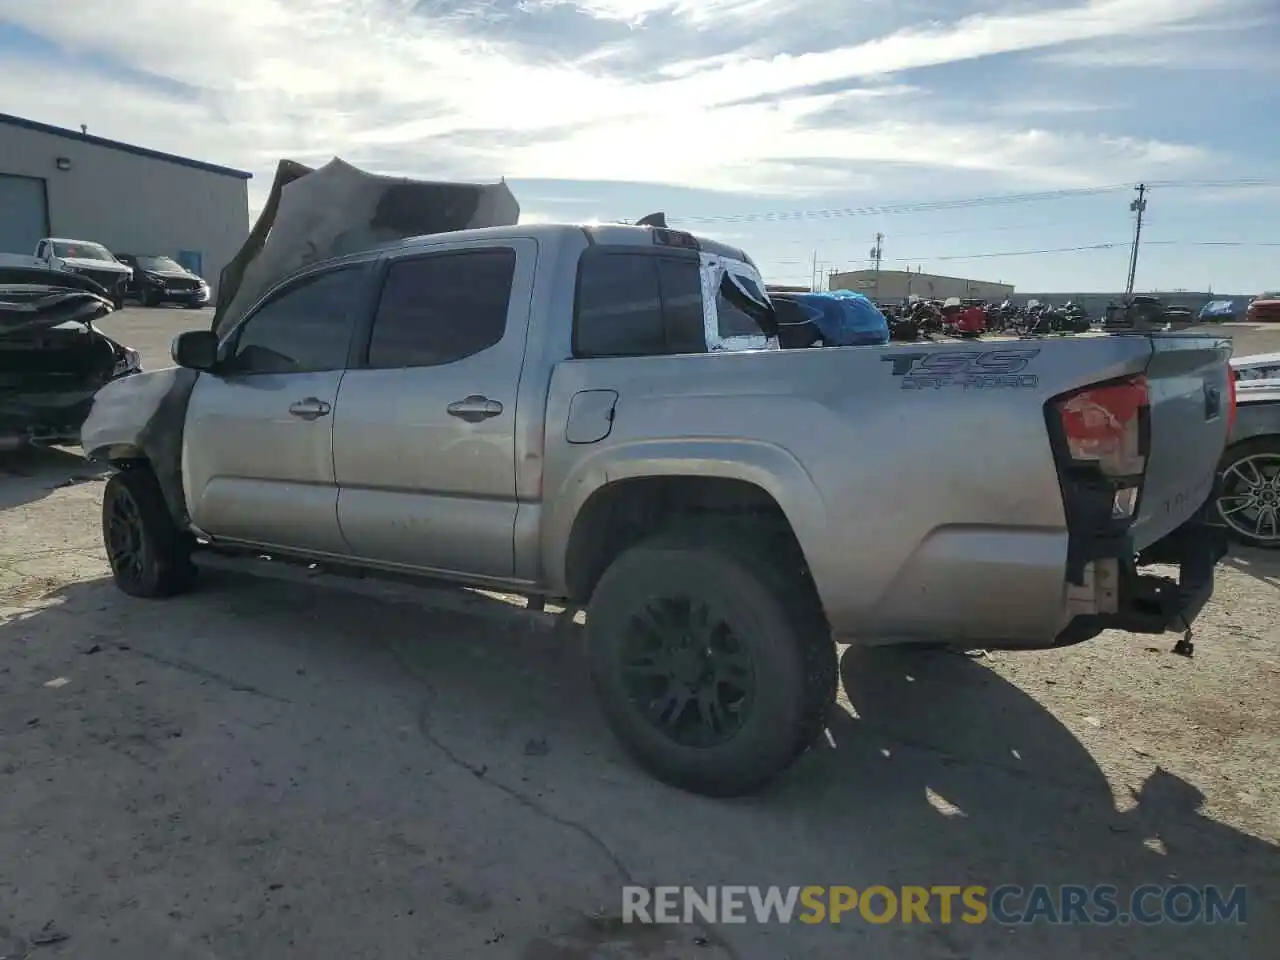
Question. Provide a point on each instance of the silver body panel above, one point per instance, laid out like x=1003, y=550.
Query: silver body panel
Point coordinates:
x=1258, y=415
x=926, y=506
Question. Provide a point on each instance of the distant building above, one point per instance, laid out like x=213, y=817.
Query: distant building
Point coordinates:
x=891, y=286
x=65, y=183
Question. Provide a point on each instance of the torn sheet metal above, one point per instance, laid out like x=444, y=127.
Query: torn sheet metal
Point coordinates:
x=339, y=209
x=141, y=417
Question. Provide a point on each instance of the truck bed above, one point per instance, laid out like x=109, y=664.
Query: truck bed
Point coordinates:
x=920, y=479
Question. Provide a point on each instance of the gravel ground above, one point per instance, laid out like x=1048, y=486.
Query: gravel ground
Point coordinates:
x=283, y=765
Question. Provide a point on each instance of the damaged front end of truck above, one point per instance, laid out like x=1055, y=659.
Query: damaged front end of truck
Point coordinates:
x=310, y=215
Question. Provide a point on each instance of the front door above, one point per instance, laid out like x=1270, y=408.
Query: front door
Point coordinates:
x=258, y=445
x=424, y=436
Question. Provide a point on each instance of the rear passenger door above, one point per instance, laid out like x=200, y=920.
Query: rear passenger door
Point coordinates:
x=424, y=433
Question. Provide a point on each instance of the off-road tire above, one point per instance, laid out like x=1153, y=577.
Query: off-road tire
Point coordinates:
x=773, y=611
x=157, y=561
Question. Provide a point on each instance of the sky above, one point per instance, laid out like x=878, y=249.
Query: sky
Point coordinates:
x=796, y=129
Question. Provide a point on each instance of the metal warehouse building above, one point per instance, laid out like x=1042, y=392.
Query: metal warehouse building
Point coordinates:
x=891, y=286
x=64, y=183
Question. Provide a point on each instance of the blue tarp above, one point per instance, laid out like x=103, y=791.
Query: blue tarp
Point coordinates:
x=845, y=318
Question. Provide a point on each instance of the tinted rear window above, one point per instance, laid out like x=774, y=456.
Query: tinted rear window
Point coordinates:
x=638, y=305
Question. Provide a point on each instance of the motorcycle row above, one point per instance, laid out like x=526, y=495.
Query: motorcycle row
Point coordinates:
x=918, y=319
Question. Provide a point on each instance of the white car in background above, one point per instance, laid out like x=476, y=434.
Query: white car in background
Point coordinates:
x=1255, y=369
x=1249, y=498
x=89, y=259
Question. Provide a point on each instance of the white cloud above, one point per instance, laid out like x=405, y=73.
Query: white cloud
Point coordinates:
x=381, y=86
x=635, y=12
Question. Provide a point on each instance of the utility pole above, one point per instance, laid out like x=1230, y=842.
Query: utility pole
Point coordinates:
x=1138, y=206
x=813, y=274
x=877, y=252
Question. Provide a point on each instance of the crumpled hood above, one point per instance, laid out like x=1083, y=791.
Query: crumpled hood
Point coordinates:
x=313, y=215
x=35, y=296
x=102, y=266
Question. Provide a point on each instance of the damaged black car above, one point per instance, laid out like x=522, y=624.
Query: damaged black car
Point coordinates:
x=52, y=357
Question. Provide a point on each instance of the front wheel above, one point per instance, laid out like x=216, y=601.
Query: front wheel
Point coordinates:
x=149, y=555
x=1249, y=503
x=713, y=666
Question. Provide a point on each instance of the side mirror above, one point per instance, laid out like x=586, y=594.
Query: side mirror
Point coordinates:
x=195, y=350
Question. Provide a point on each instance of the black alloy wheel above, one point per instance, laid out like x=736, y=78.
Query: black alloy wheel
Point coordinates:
x=687, y=672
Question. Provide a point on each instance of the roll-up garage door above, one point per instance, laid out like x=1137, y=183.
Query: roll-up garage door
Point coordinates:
x=23, y=215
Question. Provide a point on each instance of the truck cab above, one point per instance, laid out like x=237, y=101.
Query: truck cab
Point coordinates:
x=90, y=259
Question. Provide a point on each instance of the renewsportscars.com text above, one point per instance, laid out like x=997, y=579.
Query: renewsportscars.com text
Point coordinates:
x=1100, y=904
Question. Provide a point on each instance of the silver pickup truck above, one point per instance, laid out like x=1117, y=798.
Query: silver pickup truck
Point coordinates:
x=600, y=417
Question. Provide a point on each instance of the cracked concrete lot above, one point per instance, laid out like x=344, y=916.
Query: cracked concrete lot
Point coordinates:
x=291, y=765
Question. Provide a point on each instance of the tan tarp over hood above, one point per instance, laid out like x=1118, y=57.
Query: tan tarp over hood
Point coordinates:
x=312, y=215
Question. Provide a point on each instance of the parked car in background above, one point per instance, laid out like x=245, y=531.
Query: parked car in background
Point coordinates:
x=52, y=358
x=89, y=259
x=1249, y=498
x=1219, y=311
x=159, y=279
x=1253, y=369
x=1264, y=309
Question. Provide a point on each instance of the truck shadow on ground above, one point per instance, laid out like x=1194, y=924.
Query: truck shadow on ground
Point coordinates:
x=941, y=772
x=29, y=474
x=1263, y=565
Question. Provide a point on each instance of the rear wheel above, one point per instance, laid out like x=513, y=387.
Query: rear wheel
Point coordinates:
x=149, y=555
x=149, y=298
x=1249, y=503
x=714, y=666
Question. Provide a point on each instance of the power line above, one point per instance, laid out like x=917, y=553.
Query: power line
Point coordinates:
x=995, y=200
x=1107, y=245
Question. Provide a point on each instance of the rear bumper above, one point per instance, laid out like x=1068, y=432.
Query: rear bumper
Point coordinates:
x=1151, y=604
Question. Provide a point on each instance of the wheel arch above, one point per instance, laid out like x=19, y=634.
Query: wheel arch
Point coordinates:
x=615, y=499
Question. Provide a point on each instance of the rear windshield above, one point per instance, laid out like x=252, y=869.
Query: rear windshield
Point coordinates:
x=734, y=313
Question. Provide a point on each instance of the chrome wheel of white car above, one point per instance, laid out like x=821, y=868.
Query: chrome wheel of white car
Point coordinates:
x=1250, y=500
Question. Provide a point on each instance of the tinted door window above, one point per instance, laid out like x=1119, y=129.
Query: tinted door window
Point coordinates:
x=442, y=308
x=638, y=305
x=681, y=285
x=305, y=329
x=619, y=309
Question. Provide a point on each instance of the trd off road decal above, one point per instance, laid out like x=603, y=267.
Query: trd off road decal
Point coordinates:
x=966, y=369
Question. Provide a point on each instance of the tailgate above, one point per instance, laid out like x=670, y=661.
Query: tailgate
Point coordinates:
x=1190, y=395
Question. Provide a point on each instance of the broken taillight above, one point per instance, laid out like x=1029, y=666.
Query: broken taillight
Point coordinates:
x=1231, y=402
x=1106, y=426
